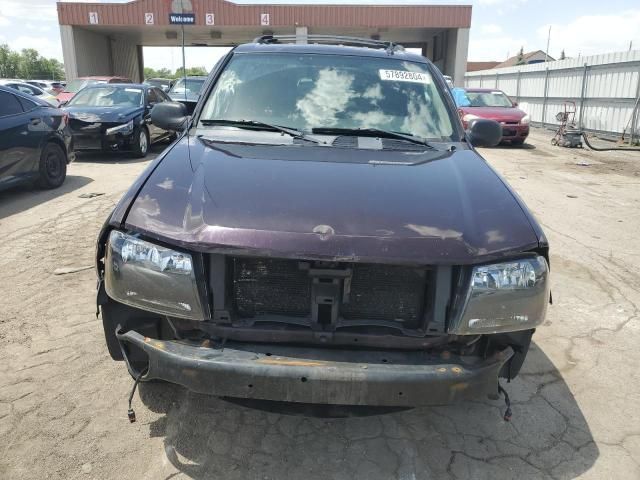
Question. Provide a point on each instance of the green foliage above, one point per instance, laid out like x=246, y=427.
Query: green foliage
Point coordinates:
x=166, y=73
x=520, y=59
x=28, y=64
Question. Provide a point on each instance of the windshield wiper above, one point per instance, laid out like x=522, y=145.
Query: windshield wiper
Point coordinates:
x=378, y=132
x=257, y=125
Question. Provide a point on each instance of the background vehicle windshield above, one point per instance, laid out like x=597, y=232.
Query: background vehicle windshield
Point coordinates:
x=488, y=99
x=314, y=91
x=190, y=85
x=108, y=96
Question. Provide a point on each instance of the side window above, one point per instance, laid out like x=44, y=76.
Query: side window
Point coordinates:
x=163, y=96
x=27, y=105
x=152, y=97
x=9, y=104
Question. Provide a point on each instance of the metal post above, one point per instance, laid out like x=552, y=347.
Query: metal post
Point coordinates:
x=583, y=91
x=481, y=80
x=518, y=87
x=496, y=85
x=635, y=113
x=544, y=100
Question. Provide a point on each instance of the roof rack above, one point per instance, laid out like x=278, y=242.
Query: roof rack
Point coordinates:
x=331, y=39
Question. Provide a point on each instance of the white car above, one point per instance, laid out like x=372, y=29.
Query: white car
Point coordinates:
x=31, y=90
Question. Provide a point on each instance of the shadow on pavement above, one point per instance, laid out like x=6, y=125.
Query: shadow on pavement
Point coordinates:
x=120, y=157
x=24, y=197
x=207, y=437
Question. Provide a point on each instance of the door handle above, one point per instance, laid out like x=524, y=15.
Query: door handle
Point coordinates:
x=35, y=121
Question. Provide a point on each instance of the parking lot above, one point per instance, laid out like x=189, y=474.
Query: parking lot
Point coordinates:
x=63, y=401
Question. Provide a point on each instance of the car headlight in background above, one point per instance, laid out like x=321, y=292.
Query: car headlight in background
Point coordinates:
x=505, y=297
x=124, y=128
x=469, y=116
x=525, y=120
x=151, y=277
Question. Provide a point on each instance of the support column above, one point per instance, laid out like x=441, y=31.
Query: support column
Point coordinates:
x=302, y=34
x=68, y=52
x=457, y=50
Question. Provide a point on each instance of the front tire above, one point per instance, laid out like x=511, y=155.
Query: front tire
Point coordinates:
x=53, y=166
x=140, y=142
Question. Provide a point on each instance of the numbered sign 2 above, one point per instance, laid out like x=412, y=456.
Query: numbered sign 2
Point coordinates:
x=148, y=19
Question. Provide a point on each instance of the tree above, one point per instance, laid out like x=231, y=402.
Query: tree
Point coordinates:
x=520, y=58
x=166, y=73
x=28, y=64
x=9, y=62
x=562, y=55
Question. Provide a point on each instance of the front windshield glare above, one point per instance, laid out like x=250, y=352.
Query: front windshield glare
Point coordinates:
x=328, y=91
x=107, y=97
x=488, y=99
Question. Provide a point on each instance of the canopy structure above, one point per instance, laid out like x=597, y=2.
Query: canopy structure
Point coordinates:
x=107, y=38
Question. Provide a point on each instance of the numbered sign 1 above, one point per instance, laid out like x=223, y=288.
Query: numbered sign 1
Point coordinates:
x=264, y=19
x=148, y=19
x=210, y=19
x=93, y=18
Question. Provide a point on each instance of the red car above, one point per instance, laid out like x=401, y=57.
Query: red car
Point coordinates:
x=79, y=83
x=494, y=105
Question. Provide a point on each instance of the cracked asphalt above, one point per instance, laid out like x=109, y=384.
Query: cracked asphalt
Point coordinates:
x=63, y=401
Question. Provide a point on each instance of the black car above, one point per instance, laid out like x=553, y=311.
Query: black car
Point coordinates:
x=35, y=141
x=323, y=231
x=115, y=117
x=164, y=84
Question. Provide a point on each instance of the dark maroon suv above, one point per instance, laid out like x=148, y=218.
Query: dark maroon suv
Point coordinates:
x=323, y=231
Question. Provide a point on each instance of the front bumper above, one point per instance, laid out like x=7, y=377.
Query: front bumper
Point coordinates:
x=514, y=132
x=102, y=141
x=317, y=375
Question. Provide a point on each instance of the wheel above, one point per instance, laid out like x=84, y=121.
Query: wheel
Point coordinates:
x=53, y=166
x=140, y=142
x=517, y=143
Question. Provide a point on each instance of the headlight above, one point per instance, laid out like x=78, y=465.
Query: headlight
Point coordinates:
x=525, y=120
x=154, y=278
x=469, y=116
x=124, y=128
x=505, y=297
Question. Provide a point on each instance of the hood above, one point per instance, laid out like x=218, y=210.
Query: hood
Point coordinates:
x=308, y=202
x=179, y=96
x=102, y=114
x=500, y=114
x=65, y=96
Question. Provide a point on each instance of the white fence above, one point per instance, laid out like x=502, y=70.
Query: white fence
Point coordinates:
x=605, y=88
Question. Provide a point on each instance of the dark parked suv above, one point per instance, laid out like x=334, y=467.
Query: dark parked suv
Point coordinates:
x=323, y=232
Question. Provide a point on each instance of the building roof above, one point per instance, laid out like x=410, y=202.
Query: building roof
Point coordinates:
x=227, y=13
x=475, y=66
x=513, y=61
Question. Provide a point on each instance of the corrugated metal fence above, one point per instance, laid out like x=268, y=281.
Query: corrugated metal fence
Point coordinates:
x=605, y=88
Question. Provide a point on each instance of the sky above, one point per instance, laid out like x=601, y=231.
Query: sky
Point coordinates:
x=498, y=28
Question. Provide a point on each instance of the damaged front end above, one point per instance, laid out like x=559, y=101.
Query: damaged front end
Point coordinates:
x=317, y=331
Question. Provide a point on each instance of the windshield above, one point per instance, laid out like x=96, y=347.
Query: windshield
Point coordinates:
x=190, y=85
x=108, y=96
x=488, y=99
x=311, y=91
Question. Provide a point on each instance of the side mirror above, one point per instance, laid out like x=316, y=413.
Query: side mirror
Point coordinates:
x=170, y=116
x=515, y=104
x=484, y=133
